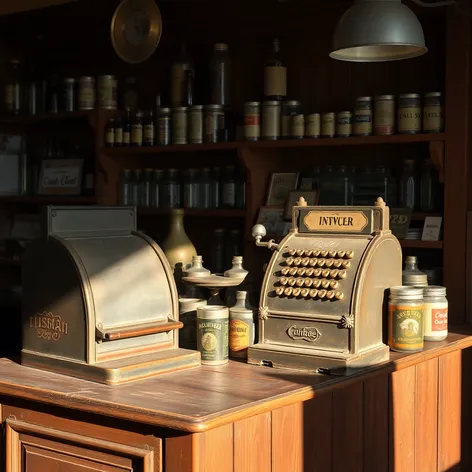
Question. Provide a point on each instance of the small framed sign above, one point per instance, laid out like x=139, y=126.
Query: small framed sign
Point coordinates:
x=279, y=188
x=273, y=220
x=400, y=221
x=431, y=228
x=60, y=177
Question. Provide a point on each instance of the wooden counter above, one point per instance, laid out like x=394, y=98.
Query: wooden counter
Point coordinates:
x=407, y=415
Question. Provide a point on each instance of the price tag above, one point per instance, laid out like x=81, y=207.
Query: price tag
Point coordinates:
x=400, y=221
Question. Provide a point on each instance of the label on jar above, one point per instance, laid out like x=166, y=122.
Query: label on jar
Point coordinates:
x=312, y=126
x=409, y=119
x=433, y=117
x=406, y=327
x=239, y=335
x=275, y=81
x=252, y=126
x=297, y=129
x=211, y=127
x=327, y=125
x=126, y=138
x=212, y=340
x=118, y=135
x=384, y=117
x=86, y=96
x=179, y=128
x=344, y=125
x=110, y=137
x=164, y=130
x=137, y=134
x=148, y=137
x=107, y=93
x=196, y=128
x=439, y=318
x=363, y=122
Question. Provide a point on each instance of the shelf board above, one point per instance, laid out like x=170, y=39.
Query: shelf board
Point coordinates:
x=422, y=216
x=46, y=200
x=193, y=212
x=132, y=150
x=415, y=243
x=47, y=117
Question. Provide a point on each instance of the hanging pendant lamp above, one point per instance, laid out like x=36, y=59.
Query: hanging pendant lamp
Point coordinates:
x=377, y=31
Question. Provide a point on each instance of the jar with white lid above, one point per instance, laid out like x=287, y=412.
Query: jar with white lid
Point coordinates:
x=435, y=313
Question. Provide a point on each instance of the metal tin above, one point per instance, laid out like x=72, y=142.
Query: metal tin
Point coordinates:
x=344, y=124
x=107, y=92
x=70, y=96
x=433, y=113
x=214, y=121
x=289, y=109
x=297, y=130
x=179, y=125
x=312, y=125
x=409, y=113
x=195, y=124
x=363, y=116
x=384, y=115
x=87, y=94
x=212, y=334
x=406, y=319
x=271, y=120
x=328, y=125
x=163, y=127
x=252, y=121
x=435, y=313
x=241, y=327
x=188, y=316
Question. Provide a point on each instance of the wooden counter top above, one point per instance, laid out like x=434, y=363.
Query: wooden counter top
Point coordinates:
x=202, y=398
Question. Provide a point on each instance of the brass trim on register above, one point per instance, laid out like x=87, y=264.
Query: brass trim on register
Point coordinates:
x=143, y=329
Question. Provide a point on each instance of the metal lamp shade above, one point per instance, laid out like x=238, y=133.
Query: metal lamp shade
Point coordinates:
x=376, y=31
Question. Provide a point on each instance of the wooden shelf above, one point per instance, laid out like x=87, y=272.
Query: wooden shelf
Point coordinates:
x=48, y=117
x=422, y=216
x=414, y=243
x=132, y=150
x=47, y=200
x=193, y=212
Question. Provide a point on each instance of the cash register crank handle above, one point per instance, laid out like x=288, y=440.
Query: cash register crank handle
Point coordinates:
x=142, y=329
x=258, y=232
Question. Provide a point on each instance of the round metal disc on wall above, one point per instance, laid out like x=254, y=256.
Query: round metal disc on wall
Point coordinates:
x=136, y=29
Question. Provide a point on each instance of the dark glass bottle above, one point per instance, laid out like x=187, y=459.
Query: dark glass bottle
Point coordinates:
x=204, y=189
x=14, y=89
x=408, y=185
x=216, y=188
x=137, y=130
x=177, y=79
x=228, y=188
x=189, y=88
x=148, y=129
x=428, y=186
x=240, y=188
x=275, y=74
x=220, y=75
x=53, y=94
x=118, y=133
x=191, y=188
x=218, y=251
x=110, y=133
x=127, y=128
x=170, y=190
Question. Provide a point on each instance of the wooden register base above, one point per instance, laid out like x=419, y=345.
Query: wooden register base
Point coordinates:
x=410, y=415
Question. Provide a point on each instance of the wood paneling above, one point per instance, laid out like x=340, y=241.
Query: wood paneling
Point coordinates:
x=214, y=450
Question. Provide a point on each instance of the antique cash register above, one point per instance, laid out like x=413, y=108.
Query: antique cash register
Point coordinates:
x=323, y=299
x=99, y=299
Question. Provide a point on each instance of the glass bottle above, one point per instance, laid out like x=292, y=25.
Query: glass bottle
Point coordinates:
x=191, y=188
x=228, y=188
x=53, y=94
x=148, y=129
x=220, y=75
x=156, y=183
x=118, y=133
x=232, y=246
x=146, y=188
x=275, y=74
x=215, y=188
x=189, y=88
x=14, y=89
x=428, y=186
x=240, y=188
x=412, y=275
x=218, y=251
x=170, y=190
x=137, y=130
x=204, y=188
x=135, y=188
x=127, y=128
x=177, y=77
x=110, y=133
x=125, y=187
x=130, y=95
x=408, y=185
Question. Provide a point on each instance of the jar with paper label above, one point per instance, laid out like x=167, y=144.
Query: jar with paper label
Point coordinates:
x=384, y=115
x=312, y=125
x=179, y=125
x=163, y=127
x=241, y=327
x=275, y=74
x=107, y=92
x=328, y=125
x=271, y=111
x=363, y=116
x=87, y=93
x=435, y=313
x=148, y=129
x=344, y=124
x=409, y=113
x=252, y=121
x=214, y=121
x=137, y=130
x=406, y=319
x=433, y=113
x=289, y=109
x=297, y=130
x=212, y=334
x=195, y=125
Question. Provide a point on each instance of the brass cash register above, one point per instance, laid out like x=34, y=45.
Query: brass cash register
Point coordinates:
x=324, y=294
x=99, y=299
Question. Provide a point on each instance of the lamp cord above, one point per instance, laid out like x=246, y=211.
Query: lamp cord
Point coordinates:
x=443, y=3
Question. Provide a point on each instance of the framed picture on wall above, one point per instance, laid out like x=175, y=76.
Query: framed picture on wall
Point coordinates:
x=279, y=188
x=272, y=219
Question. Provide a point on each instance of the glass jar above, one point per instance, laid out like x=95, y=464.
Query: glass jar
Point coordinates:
x=220, y=75
x=344, y=124
x=428, y=186
x=218, y=251
x=228, y=188
x=252, y=121
x=363, y=116
x=164, y=127
x=195, y=125
x=214, y=122
x=136, y=138
x=328, y=125
x=433, y=113
x=155, y=190
x=408, y=185
x=135, y=188
x=216, y=188
x=14, y=89
x=289, y=109
x=191, y=188
x=384, y=115
x=170, y=190
x=412, y=275
x=146, y=188
x=179, y=125
x=69, y=95
x=435, y=313
x=148, y=129
x=204, y=188
x=409, y=113
x=240, y=188
x=271, y=111
x=125, y=187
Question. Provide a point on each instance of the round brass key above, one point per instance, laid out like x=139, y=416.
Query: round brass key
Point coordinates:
x=292, y=252
x=320, y=262
x=308, y=253
x=305, y=261
x=329, y=262
x=342, y=274
x=334, y=273
x=346, y=264
x=284, y=271
x=288, y=291
x=338, y=263
x=339, y=295
x=313, y=293
x=349, y=254
x=309, y=272
x=334, y=284
x=313, y=262
x=301, y=271
x=325, y=283
x=324, y=253
x=289, y=261
x=325, y=273
x=283, y=281
x=296, y=292
x=305, y=292
x=317, y=272
x=300, y=253
x=293, y=271
x=308, y=282
x=341, y=254
x=300, y=282
x=297, y=261
x=316, y=283
x=330, y=295
x=316, y=253
x=332, y=253
x=279, y=291
x=292, y=281
x=322, y=293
